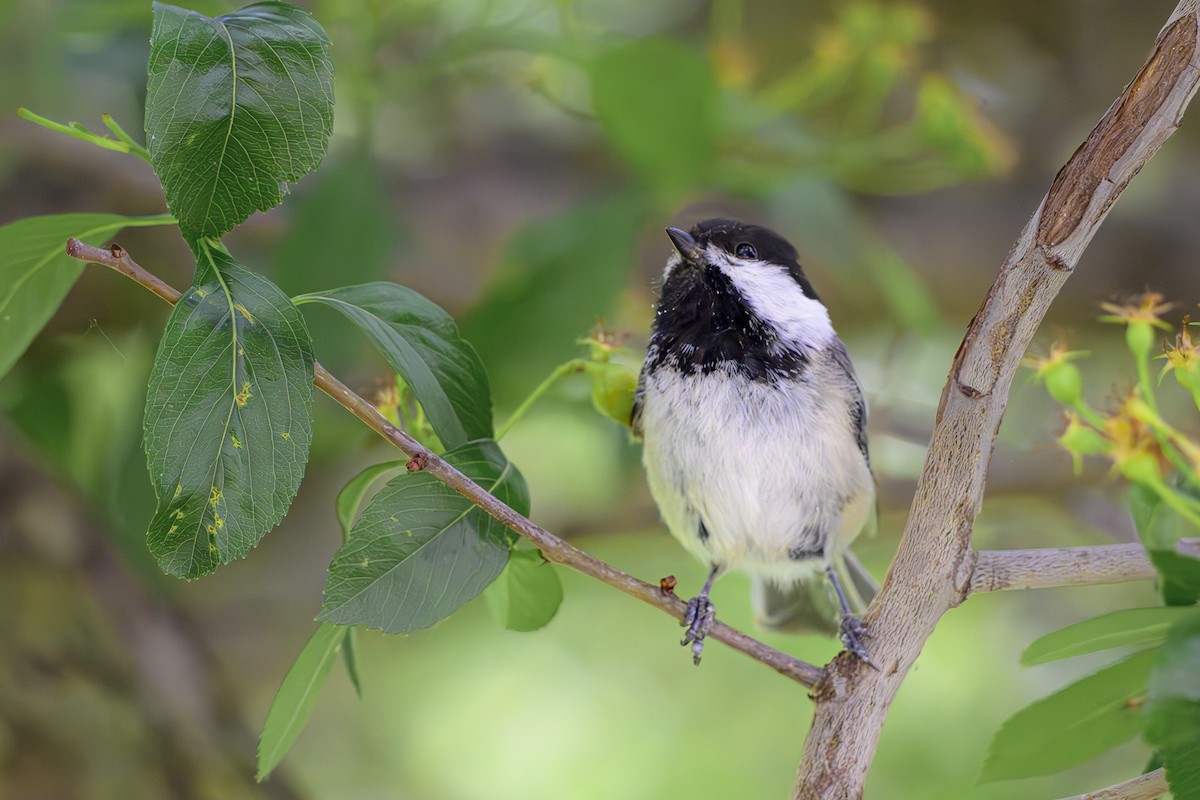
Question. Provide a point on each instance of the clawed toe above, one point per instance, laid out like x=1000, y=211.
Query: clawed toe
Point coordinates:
x=852, y=633
x=701, y=614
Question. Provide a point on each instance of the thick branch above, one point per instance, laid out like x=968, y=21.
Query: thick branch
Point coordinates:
x=552, y=548
x=1143, y=787
x=1042, y=568
x=932, y=569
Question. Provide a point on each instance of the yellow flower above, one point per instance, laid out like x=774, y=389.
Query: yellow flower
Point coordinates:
x=1148, y=308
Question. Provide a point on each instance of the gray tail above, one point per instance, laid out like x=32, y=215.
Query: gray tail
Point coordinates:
x=811, y=604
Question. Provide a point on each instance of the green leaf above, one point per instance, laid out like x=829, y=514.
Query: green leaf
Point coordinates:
x=420, y=550
x=1073, y=725
x=228, y=418
x=1160, y=528
x=1118, y=629
x=350, y=658
x=656, y=100
x=527, y=594
x=557, y=276
x=36, y=273
x=297, y=696
x=237, y=106
x=1180, y=585
x=350, y=498
x=421, y=342
x=1173, y=710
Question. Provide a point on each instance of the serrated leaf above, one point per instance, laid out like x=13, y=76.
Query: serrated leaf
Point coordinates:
x=1173, y=709
x=36, y=273
x=1073, y=725
x=228, y=418
x=1146, y=626
x=297, y=696
x=527, y=594
x=557, y=276
x=350, y=498
x=656, y=100
x=421, y=342
x=420, y=550
x=237, y=106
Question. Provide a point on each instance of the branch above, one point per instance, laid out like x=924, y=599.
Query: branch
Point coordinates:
x=1045, y=567
x=1143, y=787
x=931, y=572
x=552, y=548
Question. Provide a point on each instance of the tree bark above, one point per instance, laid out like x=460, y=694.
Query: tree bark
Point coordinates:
x=932, y=571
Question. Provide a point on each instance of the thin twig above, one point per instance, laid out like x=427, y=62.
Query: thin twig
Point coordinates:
x=931, y=572
x=1143, y=787
x=1044, y=567
x=553, y=548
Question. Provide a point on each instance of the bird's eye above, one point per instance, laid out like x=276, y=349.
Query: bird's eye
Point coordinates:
x=746, y=250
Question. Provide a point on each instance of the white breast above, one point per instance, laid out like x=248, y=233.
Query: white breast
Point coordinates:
x=771, y=469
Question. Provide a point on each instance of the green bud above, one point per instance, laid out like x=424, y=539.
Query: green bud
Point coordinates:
x=1139, y=337
x=1141, y=468
x=613, y=387
x=1083, y=440
x=1064, y=383
x=1188, y=377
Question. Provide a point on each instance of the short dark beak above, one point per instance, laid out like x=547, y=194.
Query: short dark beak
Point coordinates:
x=686, y=245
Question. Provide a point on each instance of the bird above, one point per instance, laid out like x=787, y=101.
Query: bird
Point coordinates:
x=753, y=430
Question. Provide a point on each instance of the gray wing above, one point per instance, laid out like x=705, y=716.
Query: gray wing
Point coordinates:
x=858, y=404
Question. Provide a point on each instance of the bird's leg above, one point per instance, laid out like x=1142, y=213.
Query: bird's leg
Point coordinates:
x=699, y=617
x=852, y=630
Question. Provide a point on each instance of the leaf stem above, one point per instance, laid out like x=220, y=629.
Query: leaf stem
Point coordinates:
x=552, y=547
x=561, y=371
x=126, y=144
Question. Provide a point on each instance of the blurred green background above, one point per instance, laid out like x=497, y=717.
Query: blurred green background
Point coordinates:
x=517, y=162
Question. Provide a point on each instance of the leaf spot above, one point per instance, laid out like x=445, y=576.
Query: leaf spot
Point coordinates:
x=242, y=310
x=244, y=395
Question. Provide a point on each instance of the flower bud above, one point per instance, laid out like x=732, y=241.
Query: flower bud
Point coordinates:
x=1139, y=337
x=613, y=387
x=1140, y=468
x=1064, y=383
x=1083, y=439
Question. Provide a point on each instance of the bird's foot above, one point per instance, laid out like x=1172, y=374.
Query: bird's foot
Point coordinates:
x=700, y=616
x=852, y=633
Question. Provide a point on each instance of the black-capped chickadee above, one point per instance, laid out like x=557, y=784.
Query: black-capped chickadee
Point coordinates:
x=754, y=431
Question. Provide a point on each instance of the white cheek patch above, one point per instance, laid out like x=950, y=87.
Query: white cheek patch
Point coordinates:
x=776, y=296
x=672, y=263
